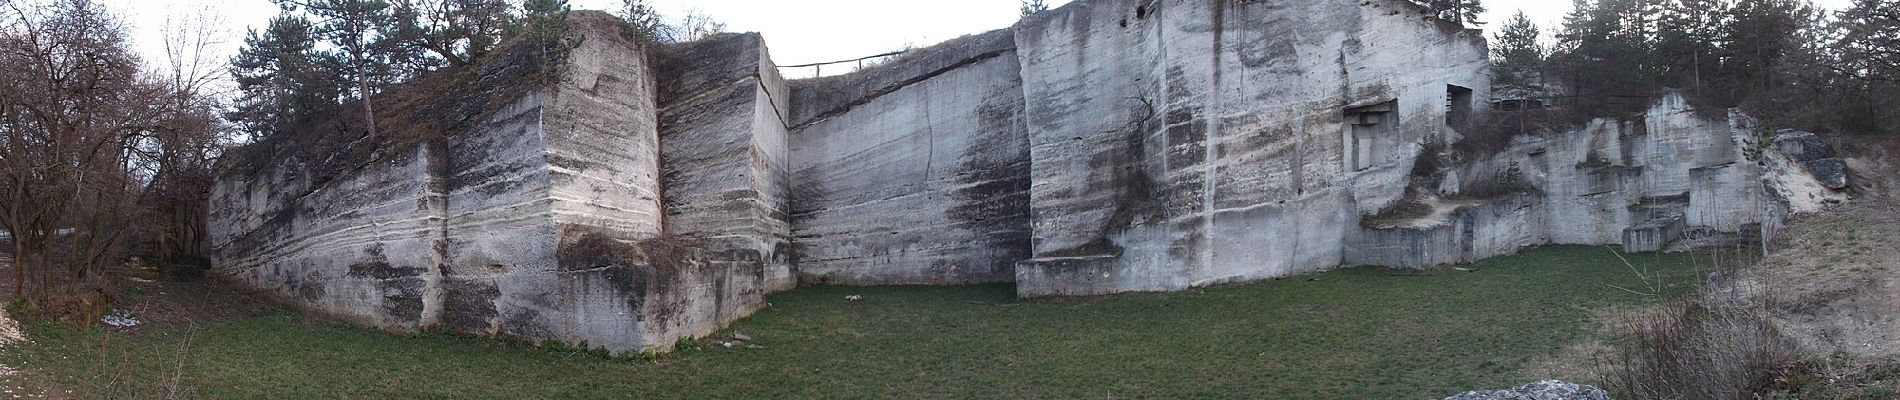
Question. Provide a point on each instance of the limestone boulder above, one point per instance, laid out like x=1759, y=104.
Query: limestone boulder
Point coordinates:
x=1815, y=155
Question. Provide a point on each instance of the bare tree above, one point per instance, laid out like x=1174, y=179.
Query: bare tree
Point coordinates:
x=694, y=25
x=177, y=158
x=74, y=99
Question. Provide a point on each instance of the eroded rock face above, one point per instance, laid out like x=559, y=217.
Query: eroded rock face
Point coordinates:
x=1180, y=144
x=541, y=219
x=1815, y=155
x=1107, y=146
x=723, y=135
x=914, y=174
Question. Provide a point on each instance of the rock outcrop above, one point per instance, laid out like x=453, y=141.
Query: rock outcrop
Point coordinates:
x=1108, y=146
x=914, y=173
x=540, y=217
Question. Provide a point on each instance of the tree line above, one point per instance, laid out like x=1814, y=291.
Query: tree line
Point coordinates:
x=1786, y=62
x=98, y=149
x=105, y=156
x=318, y=54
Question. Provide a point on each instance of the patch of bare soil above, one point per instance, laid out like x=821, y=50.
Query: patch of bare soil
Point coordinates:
x=158, y=303
x=1838, y=276
x=1581, y=361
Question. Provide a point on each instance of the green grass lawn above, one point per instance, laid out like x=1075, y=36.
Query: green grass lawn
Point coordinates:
x=1350, y=333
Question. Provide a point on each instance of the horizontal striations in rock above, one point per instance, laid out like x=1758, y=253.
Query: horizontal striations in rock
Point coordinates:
x=923, y=184
x=537, y=216
x=360, y=246
x=820, y=98
x=602, y=137
x=723, y=140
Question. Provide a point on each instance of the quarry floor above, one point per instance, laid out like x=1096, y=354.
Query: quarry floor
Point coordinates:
x=1349, y=333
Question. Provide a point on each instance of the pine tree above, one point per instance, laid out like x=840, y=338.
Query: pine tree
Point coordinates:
x=355, y=29
x=1688, y=40
x=1869, y=44
x=647, y=23
x=1516, y=56
x=1758, y=36
x=1460, y=11
x=1605, y=54
x=1031, y=7
x=1864, y=56
x=278, y=76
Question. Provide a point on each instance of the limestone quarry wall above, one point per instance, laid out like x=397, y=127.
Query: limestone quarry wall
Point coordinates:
x=361, y=245
x=723, y=136
x=915, y=173
x=1103, y=147
x=1673, y=173
x=542, y=220
x=1178, y=144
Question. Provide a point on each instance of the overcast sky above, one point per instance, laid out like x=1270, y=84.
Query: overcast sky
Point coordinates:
x=798, y=31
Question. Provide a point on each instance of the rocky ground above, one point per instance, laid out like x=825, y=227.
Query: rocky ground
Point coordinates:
x=15, y=384
x=1838, y=273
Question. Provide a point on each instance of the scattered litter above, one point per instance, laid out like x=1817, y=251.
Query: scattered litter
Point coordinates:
x=1465, y=269
x=139, y=280
x=120, y=318
x=740, y=336
x=853, y=298
x=726, y=344
x=754, y=346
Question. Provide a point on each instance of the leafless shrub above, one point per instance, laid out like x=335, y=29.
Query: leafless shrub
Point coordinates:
x=1692, y=351
x=1721, y=345
x=1506, y=181
x=1492, y=133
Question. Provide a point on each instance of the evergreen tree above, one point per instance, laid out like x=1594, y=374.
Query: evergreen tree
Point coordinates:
x=355, y=28
x=647, y=23
x=1689, y=38
x=1759, y=35
x=1868, y=48
x=1516, y=56
x=1864, y=59
x=278, y=76
x=1031, y=7
x=544, y=24
x=1605, y=55
x=1460, y=11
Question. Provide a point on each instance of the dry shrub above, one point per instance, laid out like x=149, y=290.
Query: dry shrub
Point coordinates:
x=1492, y=132
x=1696, y=351
x=1503, y=182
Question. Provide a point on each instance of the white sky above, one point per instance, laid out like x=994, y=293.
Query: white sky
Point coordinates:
x=798, y=31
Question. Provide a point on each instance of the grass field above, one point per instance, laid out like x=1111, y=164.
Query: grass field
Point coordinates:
x=1350, y=333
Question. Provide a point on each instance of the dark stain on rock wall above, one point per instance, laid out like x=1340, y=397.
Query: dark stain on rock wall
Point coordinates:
x=993, y=198
x=401, y=286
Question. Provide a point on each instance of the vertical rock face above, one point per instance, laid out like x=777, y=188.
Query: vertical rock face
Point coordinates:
x=724, y=141
x=1106, y=146
x=1179, y=144
x=356, y=238
x=1670, y=174
x=914, y=173
x=538, y=217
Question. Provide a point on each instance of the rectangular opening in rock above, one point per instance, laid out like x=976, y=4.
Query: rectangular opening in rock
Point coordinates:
x=1367, y=137
x=1457, y=106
